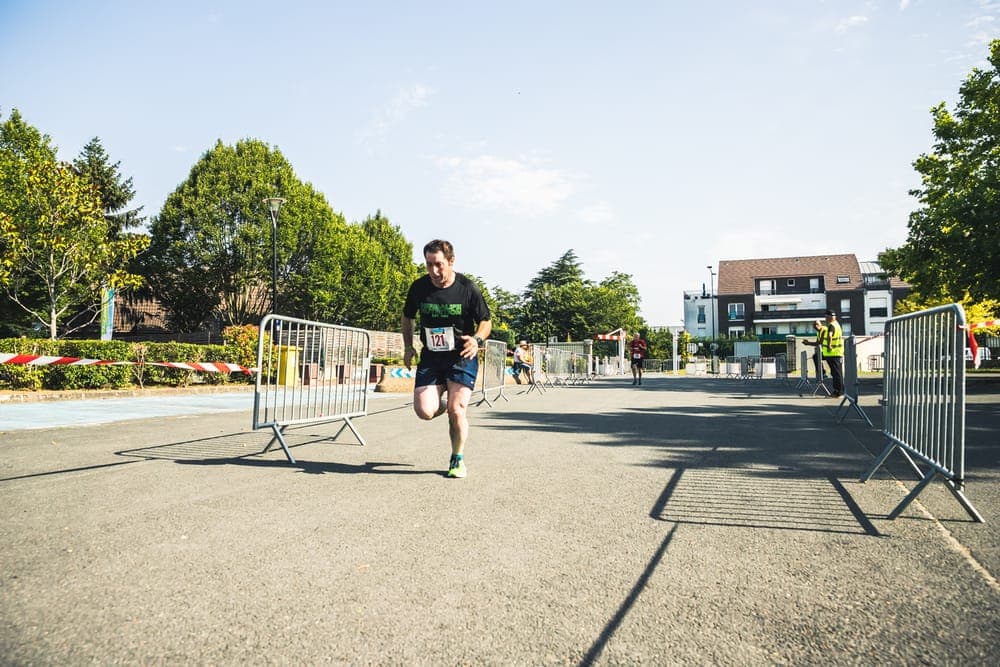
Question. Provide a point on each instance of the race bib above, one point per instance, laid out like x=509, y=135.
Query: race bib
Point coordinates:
x=440, y=339
x=636, y=355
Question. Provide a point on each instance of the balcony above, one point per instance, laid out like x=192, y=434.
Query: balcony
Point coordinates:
x=800, y=315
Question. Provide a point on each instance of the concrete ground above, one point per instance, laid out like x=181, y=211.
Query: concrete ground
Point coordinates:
x=686, y=521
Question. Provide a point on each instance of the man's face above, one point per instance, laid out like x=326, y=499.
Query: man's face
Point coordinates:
x=439, y=269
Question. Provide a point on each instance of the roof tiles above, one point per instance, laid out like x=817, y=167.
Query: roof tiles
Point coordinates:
x=738, y=276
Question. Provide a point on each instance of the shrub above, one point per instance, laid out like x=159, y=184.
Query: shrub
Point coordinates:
x=241, y=348
x=91, y=376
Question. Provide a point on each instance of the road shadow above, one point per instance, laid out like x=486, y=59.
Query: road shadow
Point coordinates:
x=247, y=449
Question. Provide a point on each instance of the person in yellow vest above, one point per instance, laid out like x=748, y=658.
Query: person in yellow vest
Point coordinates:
x=833, y=352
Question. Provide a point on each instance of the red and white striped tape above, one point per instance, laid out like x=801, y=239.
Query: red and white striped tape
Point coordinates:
x=988, y=324
x=609, y=337
x=42, y=360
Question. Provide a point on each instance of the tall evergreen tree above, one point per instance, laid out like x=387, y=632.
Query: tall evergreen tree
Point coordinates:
x=115, y=192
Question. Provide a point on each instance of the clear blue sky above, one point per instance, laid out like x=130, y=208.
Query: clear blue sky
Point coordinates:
x=653, y=138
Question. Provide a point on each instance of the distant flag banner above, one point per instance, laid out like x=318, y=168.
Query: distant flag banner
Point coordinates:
x=202, y=367
x=973, y=343
x=107, y=313
x=974, y=348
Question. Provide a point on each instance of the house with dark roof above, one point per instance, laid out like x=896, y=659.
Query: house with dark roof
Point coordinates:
x=775, y=297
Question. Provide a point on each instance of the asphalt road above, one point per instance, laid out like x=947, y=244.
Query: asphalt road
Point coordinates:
x=687, y=521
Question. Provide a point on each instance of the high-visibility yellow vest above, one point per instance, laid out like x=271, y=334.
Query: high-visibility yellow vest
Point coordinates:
x=833, y=341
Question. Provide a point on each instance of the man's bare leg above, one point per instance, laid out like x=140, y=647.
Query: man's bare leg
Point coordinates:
x=427, y=401
x=458, y=421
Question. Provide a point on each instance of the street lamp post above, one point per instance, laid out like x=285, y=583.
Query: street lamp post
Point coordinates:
x=711, y=297
x=274, y=205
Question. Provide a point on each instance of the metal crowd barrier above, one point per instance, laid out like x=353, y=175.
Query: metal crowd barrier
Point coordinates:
x=537, y=370
x=558, y=365
x=781, y=367
x=309, y=373
x=805, y=359
x=852, y=386
x=494, y=371
x=579, y=368
x=924, y=399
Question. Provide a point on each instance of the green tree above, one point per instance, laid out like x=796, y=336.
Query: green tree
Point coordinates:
x=55, y=252
x=953, y=247
x=20, y=144
x=115, y=193
x=566, y=270
x=211, y=250
x=561, y=302
x=358, y=276
x=507, y=306
x=400, y=271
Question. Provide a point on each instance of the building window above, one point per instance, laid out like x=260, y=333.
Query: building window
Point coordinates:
x=843, y=280
x=736, y=332
x=845, y=328
x=766, y=287
x=878, y=307
x=814, y=285
x=845, y=306
x=701, y=314
x=768, y=330
x=794, y=328
x=791, y=282
x=735, y=312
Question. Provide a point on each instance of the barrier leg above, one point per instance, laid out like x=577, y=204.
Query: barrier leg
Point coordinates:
x=349, y=424
x=850, y=402
x=879, y=461
x=928, y=478
x=956, y=490
x=280, y=438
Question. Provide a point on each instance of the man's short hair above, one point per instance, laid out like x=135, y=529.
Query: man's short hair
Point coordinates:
x=439, y=245
x=818, y=323
x=830, y=313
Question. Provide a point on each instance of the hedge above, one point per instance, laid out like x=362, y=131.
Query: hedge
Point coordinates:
x=137, y=374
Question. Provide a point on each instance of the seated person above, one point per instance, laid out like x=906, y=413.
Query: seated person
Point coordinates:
x=522, y=362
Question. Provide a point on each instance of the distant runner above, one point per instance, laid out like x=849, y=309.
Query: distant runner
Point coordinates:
x=637, y=352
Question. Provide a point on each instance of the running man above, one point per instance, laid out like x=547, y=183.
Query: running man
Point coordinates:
x=454, y=321
x=637, y=352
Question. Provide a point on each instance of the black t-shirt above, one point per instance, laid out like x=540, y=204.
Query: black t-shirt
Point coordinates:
x=459, y=305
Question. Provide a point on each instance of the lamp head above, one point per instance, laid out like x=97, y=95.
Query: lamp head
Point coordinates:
x=274, y=203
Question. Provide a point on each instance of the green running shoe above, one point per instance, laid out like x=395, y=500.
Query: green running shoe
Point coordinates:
x=456, y=468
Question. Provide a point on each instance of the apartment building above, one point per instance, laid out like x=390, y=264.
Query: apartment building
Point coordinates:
x=775, y=297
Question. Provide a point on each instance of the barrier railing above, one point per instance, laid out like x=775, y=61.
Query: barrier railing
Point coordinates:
x=538, y=369
x=924, y=399
x=494, y=371
x=852, y=386
x=558, y=365
x=581, y=365
x=781, y=367
x=805, y=360
x=309, y=373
